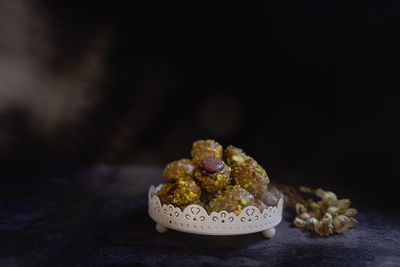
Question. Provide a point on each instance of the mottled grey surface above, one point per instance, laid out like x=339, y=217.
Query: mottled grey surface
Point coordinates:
x=99, y=217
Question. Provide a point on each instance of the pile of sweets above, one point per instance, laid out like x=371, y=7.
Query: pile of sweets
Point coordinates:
x=217, y=180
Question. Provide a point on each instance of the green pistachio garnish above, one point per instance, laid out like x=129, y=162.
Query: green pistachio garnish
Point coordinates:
x=259, y=171
x=244, y=201
x=229, y=187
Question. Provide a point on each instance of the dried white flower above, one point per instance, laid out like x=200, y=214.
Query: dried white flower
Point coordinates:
x=333, y=211
x=341, y=223
x=327, y=216
x=299, y=222
x=314, y=206
x=324, y=216
x=350, y=212
x=325, y=195
x=324, y=227
x=312, y=221
x=304, y=216
x=343, y=203
x=300, y=208
x=352, y=222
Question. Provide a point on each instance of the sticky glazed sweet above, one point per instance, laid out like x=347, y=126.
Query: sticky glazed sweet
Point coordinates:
x=246, y=171
x=233, y=199
x=162, y=193
x=217, y=180
x=182, y=193
x=233, y=155
x=178, y=169
x=213, y=174
x=205, y=148
x=251, y=176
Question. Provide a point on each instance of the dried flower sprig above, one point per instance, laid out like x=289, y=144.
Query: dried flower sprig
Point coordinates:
x=325, y=217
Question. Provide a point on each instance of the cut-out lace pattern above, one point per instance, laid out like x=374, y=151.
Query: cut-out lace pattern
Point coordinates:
x=195, y=219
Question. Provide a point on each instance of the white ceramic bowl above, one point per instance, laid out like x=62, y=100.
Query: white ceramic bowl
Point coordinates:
x=195, y=219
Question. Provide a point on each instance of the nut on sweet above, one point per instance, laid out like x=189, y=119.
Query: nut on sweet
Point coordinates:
x=213, y=178
x=205, y=148
x=183, y=192
x=270, y=197
x=251, y=176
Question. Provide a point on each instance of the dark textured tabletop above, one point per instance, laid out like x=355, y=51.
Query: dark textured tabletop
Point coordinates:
x=98, y=216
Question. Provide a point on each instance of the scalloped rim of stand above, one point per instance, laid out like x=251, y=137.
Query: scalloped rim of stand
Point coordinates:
x=195, y=219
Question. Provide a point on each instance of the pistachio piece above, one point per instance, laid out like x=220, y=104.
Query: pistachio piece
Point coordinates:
x=244, y=201
x=259, y=171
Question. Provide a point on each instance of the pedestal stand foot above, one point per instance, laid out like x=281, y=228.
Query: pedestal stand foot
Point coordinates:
x=269, y=232
x=161, y=229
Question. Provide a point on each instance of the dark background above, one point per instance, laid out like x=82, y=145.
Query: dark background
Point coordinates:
x=308, y=88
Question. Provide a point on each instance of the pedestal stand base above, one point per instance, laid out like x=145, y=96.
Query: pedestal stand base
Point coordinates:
x=161, y=229
x=269, y=232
